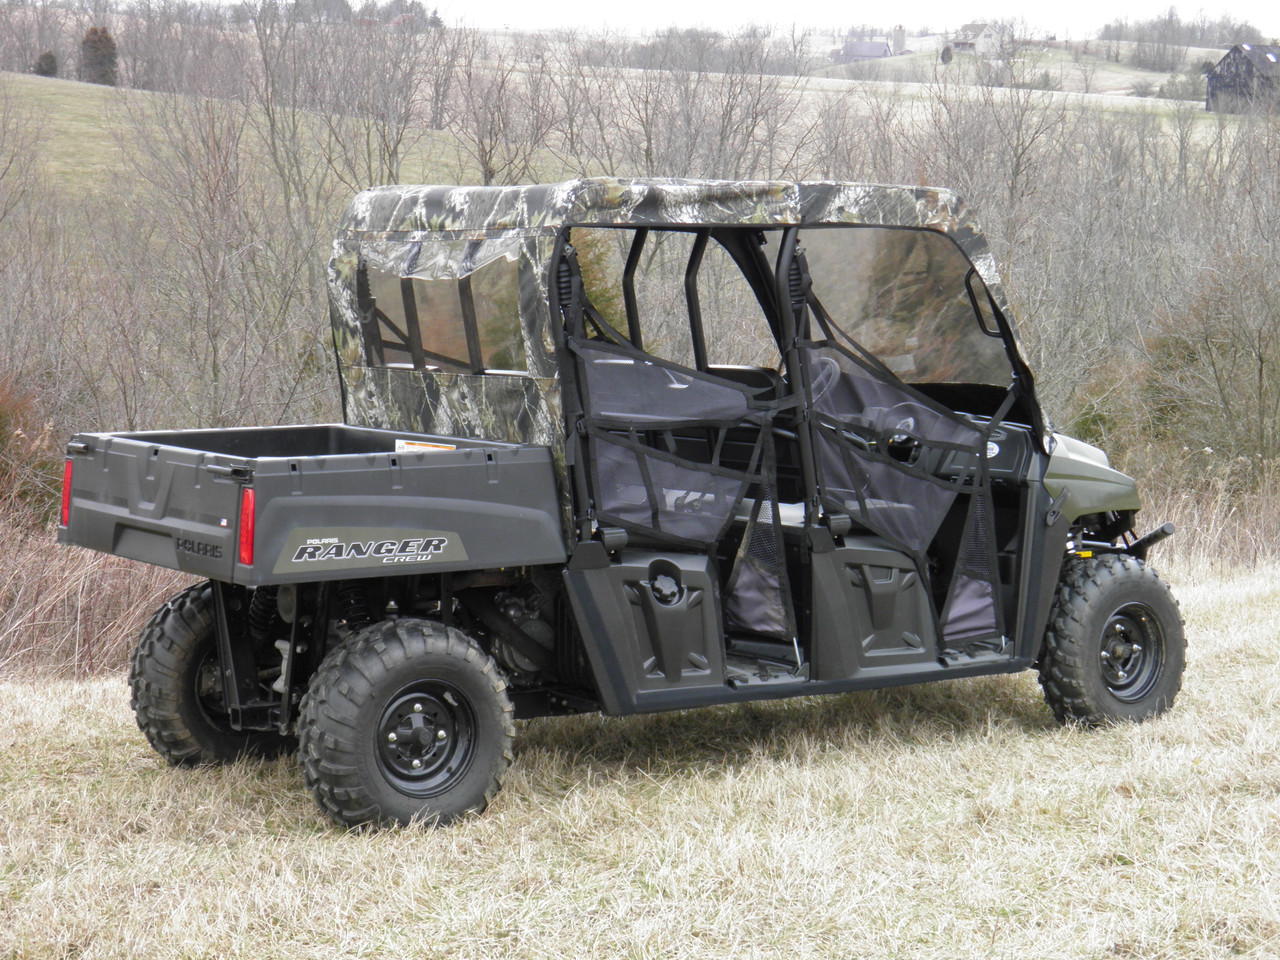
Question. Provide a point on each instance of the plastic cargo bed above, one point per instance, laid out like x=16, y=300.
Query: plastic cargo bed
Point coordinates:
x=263, y=505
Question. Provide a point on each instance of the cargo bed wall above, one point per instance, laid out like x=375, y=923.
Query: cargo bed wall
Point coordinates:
x=330, y=502
x=169, y=506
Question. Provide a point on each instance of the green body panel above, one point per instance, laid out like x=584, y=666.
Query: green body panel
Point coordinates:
x=1085, y=473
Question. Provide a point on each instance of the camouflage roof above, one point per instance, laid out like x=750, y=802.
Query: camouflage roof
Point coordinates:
x=545, y=208
x=405, y=212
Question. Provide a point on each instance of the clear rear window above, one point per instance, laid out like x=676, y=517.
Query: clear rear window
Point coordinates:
x=452, y=306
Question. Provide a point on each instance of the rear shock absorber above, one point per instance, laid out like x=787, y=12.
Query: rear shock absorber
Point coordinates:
x=796, y=282
x=353, y=605
x=263, y=609
x=567, y=285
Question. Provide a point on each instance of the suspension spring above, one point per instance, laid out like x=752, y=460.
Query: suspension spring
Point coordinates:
x=353, y=605
x=263, y=609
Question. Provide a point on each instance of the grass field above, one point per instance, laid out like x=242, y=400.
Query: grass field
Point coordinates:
x=80, y=146
x=955, y=820
x=1091, y=74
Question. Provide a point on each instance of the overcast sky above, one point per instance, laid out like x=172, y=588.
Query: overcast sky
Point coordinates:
x=1075, y=19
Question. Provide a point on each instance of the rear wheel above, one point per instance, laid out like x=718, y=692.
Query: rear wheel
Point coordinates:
x=176, y=687
x=408, y=721
x=1115, y=646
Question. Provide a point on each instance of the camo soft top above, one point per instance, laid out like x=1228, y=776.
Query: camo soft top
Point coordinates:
x=417, y=213
x=448, y=232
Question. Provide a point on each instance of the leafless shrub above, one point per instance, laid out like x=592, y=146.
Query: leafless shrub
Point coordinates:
x=70, y=612
x=233, y=325
x=1211, y=382
x=370, y=97
x=20, y=140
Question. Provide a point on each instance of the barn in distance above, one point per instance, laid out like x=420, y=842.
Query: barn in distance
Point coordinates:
x=1247, y=77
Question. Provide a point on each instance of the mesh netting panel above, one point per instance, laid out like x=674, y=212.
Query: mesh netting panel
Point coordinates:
x=858, y=413
x=645, y=489
x=976, y=556
x=763, y=543
x=882, y=498
x=971, y=610
x=620, y=486
x=636, y=390
x=756, y=596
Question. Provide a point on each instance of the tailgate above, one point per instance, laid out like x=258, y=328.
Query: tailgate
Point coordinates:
x=170, y=506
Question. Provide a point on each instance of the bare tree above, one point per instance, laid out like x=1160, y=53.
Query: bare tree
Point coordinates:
x=586, y=80
x=230, y=332
x=282, y=93
x=29, y=29
x=756, y=106
x=502, y=108
x=368, y=97
x=439, y=69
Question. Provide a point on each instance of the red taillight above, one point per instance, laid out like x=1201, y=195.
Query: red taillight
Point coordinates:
x=246, y=525
x=66, y=492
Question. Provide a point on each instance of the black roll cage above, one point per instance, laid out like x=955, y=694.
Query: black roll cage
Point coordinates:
x=741, y=243
x=786, y=305
x=782, y=306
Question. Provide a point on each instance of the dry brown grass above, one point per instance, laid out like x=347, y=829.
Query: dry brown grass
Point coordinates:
x=950, y=820
x=1227, y=514
x=69, y=612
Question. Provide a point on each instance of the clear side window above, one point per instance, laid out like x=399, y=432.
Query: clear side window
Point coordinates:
x=903, y=295
x=737, y=332
x=495, y=291
x=692, y=306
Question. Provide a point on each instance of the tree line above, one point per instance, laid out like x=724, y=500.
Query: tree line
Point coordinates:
x=1162, y=42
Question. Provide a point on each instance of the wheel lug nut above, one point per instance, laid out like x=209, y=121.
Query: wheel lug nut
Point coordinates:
x=417, y=708
x=1106, y=655
x=1137, y=648
x=416, y=764
x=391, y=737
x=440, y=734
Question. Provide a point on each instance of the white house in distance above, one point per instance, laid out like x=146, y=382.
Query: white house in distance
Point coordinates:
x=979, y=38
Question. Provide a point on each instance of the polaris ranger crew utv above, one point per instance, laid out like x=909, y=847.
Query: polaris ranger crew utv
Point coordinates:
x=626, y=446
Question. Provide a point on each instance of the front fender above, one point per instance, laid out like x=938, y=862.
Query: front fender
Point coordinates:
x=1085, y=474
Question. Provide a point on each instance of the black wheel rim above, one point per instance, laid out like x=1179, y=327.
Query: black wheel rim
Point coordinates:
x=1131, y=652
x=426, y=738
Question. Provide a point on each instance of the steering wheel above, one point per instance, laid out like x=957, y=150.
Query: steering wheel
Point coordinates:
x=903, y=446
x=826, y=374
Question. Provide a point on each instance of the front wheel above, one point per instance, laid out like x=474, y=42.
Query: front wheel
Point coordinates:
x=1115, y=647
x=407, y=721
